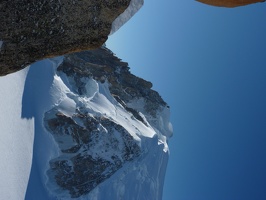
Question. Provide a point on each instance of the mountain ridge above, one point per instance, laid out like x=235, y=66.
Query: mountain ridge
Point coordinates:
x=99, y=137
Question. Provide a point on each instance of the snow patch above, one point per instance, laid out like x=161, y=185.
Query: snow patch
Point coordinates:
x=39, y=89
x=138, y=180
x=67, y=107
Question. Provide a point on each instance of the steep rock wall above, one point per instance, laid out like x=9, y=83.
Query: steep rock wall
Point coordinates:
x=33, y=30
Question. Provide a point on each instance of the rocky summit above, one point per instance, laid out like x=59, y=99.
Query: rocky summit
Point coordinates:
x=229, y=3
x=107, y=125
x=33, y=30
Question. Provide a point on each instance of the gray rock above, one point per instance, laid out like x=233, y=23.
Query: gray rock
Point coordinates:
x=33, y=30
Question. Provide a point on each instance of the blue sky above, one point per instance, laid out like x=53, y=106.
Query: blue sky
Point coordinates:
x=209, y=65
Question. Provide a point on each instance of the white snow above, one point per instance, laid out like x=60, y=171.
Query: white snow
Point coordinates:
x=132, y=9
x=16, y=138
x=67, y=107
x=40, y=92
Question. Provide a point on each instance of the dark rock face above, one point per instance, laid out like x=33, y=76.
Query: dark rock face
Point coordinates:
x=33, y=30
x=229, y=3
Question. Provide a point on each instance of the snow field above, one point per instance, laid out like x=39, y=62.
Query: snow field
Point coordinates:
x=16, y=138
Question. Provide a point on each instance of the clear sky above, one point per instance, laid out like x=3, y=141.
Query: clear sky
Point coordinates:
x=209, y=65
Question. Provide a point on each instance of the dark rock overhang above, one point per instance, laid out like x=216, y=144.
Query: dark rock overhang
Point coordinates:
x=34, y=30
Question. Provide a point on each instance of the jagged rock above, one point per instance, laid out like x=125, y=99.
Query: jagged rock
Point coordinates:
x=33, y=30
x=229, y=3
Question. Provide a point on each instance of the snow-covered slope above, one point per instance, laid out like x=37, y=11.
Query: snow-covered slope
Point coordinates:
x=100, y=132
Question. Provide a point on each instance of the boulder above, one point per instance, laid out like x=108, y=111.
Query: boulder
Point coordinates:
x=38, y=29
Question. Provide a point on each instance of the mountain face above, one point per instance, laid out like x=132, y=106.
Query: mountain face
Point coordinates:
x=132, y=9
x=34, y=30
x=229, y=3
x=100, y=132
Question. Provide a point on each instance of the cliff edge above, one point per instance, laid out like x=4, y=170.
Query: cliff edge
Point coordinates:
x=34, y=30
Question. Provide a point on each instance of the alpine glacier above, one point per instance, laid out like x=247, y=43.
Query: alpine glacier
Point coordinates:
x=99, y=131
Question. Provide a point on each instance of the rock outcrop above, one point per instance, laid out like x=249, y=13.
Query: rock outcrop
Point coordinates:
x=33, y=30
x=229, y=3
x=105, y=120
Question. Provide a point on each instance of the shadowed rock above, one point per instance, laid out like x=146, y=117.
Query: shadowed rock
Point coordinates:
x=229, y=3
x=38, y=29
